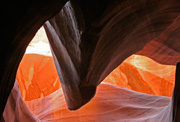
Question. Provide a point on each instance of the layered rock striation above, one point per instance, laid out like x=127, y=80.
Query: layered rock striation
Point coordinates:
x=89, y=39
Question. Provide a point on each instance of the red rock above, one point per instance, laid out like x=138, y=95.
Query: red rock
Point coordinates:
x=111, y=103
x=37, y=76
x=89, y=39
x=142, y=74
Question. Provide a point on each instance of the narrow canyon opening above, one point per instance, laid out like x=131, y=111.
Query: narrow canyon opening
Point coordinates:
x=37, y=76
x=111, y=61
x=38, y=79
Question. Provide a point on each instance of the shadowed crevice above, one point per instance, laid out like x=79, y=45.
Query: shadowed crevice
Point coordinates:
x=176, y=96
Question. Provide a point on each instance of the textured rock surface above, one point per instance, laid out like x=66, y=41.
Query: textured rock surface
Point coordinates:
x=16, y=109
x=89, y=39
x=95, y=44
x=142, y=74
x=110, y=104
x=20, y=20
x=37, y=76
x=41, y=97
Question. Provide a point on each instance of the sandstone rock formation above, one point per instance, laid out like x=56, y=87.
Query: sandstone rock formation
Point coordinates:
x=84, y=41
x=20, y=20
x=91, y=38
x=111, y=103
x=142, y=74
x=37, y=76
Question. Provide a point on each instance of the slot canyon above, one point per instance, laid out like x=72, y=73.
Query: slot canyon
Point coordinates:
x=90, y=61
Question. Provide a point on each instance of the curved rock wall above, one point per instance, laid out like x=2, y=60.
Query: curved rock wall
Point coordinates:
x=90, y=39
x=21, y=20
x=118, y=30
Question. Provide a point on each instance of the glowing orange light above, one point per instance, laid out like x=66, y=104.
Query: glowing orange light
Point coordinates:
x=41, y=89
x=37, y=76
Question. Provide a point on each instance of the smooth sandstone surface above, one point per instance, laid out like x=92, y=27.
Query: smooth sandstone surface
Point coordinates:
x=89, y=39
x=110, y=104
x=37, y=76
x=43, y=100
